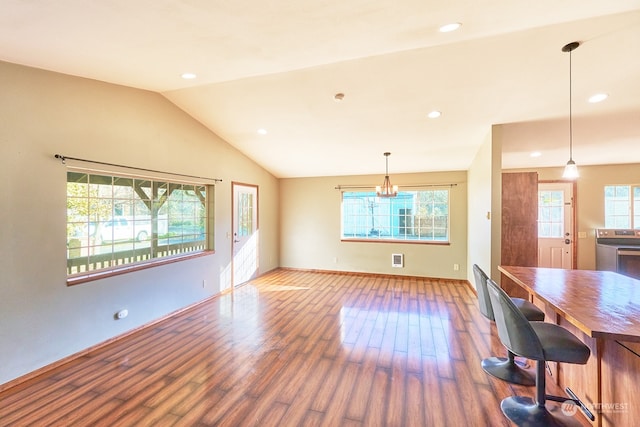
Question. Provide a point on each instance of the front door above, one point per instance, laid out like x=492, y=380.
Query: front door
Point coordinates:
x=244, y=261
x=555, y=225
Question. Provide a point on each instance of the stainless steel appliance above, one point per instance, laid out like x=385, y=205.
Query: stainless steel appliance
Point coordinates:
x=618, y=250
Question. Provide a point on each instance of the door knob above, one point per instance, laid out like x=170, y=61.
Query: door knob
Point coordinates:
x=567, y=241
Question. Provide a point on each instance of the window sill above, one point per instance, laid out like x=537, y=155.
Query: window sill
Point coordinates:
x=118, y=270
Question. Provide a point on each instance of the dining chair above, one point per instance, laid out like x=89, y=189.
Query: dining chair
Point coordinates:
x=540, y=341
x=505, y=368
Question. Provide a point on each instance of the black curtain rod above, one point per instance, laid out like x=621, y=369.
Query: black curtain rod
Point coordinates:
x=346, y=187
x=64, y=158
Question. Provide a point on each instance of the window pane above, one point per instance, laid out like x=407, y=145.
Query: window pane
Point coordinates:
x=409, y=216
x=143, y=189
x=636, y=207
x=550, y=213
x=617, y=206
x=116, y=220
x=245, y=214
x=622, y=191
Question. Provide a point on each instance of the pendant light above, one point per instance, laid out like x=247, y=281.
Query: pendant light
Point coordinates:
x=571, y=169
x=387, y=190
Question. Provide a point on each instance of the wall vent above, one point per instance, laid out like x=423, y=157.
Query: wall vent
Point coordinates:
x=397, y=260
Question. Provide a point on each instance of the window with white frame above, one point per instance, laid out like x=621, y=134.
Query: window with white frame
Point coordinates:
x=550, y=213
x=412, y=216
x=117, y=221
x=622, y=206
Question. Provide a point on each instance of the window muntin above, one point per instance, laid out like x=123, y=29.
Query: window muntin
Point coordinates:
x=115, y=221
x=416, y=216
x=622, y=206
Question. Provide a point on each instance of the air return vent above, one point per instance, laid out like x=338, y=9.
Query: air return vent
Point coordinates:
x=397, y=260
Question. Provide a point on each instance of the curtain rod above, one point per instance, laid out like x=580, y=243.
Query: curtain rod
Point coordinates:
x=63, y=159
x=345, y=187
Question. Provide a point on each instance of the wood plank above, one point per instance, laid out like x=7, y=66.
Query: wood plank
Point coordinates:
x=301, y=348
x=575, y=295
x=621, y=384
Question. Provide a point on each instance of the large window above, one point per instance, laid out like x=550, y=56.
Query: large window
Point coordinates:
x=416, y=216
x=116, y=221
x=622, y=206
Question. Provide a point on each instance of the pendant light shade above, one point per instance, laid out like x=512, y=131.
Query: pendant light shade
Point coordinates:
x=386, y=189
x=571, y=169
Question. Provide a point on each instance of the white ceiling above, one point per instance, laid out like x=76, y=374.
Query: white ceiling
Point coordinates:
x=277, y=64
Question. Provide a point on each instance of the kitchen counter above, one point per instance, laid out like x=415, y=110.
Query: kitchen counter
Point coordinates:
x=602, y=308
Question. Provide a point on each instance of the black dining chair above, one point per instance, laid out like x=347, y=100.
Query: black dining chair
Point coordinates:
x=542, y=342
x=505, y=368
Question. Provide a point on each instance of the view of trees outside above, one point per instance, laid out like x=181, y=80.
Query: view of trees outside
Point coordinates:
x=432, y=216
x=622, y=206
x=114, y=214
x=245, y=214
x=410, y=215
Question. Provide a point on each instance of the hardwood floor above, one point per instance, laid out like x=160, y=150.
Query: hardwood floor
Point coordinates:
x=291, y=348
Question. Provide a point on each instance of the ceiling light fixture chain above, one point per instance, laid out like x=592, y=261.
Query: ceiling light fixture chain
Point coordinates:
x=571, y=169
x=386, y=189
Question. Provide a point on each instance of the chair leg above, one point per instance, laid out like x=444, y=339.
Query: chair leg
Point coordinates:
x=524, y=411
x=508, y=369
x=573, y=398
x=541, y=383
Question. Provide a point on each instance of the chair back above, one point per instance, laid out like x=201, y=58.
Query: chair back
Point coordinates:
x=514, y=330
x=484, y=302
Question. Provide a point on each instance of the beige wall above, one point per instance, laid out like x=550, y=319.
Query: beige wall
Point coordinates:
x=480, y=209
x=310, y=229
x=42, y=113
x=590, y=200
x=496, y=201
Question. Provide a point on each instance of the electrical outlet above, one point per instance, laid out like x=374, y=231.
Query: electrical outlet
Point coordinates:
x=456, y=267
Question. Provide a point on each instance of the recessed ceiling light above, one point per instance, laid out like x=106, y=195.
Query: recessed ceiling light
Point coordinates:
x=535, y=154
x=450, y=27
x=598, y=97
x=262, y=131
x=434, y=114
x=188, y=76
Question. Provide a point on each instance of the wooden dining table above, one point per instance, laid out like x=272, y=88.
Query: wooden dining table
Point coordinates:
x=602, y=308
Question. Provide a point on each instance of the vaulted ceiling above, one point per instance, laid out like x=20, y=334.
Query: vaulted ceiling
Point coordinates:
x=277, y=65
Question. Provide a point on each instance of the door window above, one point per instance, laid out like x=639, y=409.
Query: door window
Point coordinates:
x=550, y=213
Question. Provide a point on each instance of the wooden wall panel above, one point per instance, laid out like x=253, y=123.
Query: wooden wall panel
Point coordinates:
x=620, y=383
x=583, y=380
x=519, y=240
